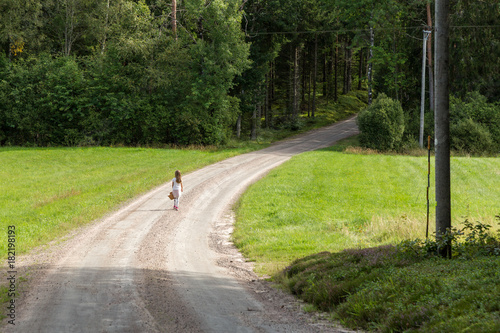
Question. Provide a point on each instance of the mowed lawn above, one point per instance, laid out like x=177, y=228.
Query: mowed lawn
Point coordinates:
x=329, y=201
x=46, y=192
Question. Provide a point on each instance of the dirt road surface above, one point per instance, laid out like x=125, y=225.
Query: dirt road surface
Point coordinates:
x=149, y=268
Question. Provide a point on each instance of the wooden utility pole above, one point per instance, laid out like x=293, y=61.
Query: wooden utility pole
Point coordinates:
x=442, y=122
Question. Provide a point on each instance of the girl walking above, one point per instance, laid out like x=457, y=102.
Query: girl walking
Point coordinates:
x=177, y=188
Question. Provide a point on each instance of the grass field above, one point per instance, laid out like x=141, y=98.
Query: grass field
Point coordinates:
x=318, y=224
x=329, y=200
x=46, y=192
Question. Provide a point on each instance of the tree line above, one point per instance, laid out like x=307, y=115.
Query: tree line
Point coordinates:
x=97, y=72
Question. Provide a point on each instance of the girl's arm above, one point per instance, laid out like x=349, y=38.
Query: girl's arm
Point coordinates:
x=182, y=188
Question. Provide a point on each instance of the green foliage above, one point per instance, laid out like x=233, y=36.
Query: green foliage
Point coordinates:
x=142, y=83
x=353, y=102
x=218, y=57
x=471, y=241
x=390, y=289
x=475, y=124
x=40, y=100
x=330, y=200
x=432, y=295
x=382, y=124
x=130, y=81
x=469, y=136
x=475, y=61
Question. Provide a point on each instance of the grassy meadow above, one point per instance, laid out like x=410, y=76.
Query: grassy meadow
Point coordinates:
x=329, y=200
x=338, y=228
x=45, y=192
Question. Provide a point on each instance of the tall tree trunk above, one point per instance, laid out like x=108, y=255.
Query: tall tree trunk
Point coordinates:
x=69, y=27
x=259, y=108
x=304, y=77
x=335, y=86
x=10, y=47
x=273, y=77
x=266, y=101
x=347, y=68
x=106, y=23
x=360, y=69
x=429, y=59
x=174, y=18
x=331, y=75
x=394, y=50
x=291, y=81
x=271, y=94
x=238, y=126
x=370, y=66
x=344, y=85
x=296, y=77
x=309, y=78
x=315, y=76
x=325, y=76
x=254, y=123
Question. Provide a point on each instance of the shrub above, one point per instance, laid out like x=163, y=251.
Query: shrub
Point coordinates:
x=476, y=117
x=471, y=241
x=470, y=136
x=382, y=124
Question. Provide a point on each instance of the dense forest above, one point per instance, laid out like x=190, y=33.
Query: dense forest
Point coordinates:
x=98, y=72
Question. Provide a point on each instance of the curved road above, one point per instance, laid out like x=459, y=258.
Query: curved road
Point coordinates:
x=148, y=268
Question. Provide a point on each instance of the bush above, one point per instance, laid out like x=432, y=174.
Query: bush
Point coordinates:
x=475, y=120
x=474, y=125
x=470, y=136
x=382, y=124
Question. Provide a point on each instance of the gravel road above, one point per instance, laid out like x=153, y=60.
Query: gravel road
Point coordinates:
x=149, y=268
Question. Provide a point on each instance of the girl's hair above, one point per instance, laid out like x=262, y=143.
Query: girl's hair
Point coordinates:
x=178, y=177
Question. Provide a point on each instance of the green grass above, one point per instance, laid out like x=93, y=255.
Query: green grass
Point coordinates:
x=318, y=225
x=46, y=192
x=386, y=290
x=326, y=114
x=329, y=201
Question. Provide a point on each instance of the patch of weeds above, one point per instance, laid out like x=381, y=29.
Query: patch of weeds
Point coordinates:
x=326, y=279
x=406, y=288
x=471, y=241
x=309, y=308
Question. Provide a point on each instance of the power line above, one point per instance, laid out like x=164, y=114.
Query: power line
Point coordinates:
x=363, y=30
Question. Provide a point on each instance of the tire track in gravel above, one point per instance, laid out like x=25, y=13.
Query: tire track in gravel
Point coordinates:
x=148, y=268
